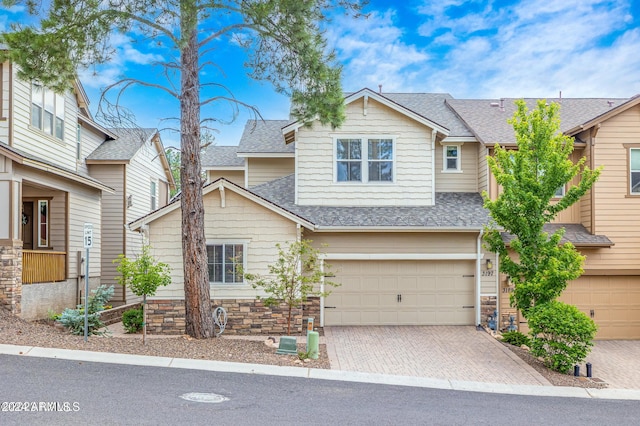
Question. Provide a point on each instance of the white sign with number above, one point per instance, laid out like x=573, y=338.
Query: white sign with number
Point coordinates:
x=88, y=235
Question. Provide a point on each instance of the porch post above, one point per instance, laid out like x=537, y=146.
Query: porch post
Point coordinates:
x=10, y=246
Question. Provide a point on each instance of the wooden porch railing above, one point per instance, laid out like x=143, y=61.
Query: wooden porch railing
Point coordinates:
x=43, y=266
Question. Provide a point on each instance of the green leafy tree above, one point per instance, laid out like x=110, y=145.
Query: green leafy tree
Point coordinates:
x=530, y=177
x=143, y=276
x=282, y=41
x=293, y=278
x=173, y=157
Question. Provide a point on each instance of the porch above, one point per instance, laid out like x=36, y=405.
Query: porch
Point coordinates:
x=43, y=266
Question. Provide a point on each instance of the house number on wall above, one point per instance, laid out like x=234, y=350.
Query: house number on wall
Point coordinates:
x=487, y=273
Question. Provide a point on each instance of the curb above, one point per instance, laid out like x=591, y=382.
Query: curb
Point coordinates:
x=319, y=374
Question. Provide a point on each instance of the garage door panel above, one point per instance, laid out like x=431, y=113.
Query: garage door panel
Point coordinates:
x=614, y=301
x=432, y=292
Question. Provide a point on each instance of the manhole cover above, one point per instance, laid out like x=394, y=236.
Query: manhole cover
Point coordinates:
x=211, y=398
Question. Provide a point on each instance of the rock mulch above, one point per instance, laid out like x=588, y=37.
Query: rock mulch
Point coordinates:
x=15, y=331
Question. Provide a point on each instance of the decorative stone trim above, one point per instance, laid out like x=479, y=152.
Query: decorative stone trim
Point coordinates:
x=487, y=307
x=114, y=315
x=244, y=317
x=11, y=276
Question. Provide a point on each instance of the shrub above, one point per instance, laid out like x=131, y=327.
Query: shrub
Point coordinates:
x=515, y=338
x=132, y=320
x=73, y=319
x=561, y=335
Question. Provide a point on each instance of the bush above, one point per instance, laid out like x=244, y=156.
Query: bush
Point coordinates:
x=132, y=320
x=515, y=338
x=561, y=335
x=73, y=319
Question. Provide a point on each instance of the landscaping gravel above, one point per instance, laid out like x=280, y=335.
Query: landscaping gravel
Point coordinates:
x=16, y=331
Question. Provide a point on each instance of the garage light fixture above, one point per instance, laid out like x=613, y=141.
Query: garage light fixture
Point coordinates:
x=489, y=264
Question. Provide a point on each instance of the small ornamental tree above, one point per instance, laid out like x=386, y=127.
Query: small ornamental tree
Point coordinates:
x=293, y=278
x=530, y=177
x=143, y=276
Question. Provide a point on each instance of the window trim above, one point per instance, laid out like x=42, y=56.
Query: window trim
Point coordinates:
x=58, y=113
x=46, y=224
x=223, y=243
x=153, y=195
x=364, y=158
x=629, y=148
x=458, y=168
x=564, y=192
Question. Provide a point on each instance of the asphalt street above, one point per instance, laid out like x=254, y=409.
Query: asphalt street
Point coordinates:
x=83, y=392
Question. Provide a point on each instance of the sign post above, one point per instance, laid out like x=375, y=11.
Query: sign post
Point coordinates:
x=88, y=243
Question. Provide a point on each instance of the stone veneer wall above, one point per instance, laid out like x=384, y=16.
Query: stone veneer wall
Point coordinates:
x=11, y=277
x=244, y=317
x=488, y=305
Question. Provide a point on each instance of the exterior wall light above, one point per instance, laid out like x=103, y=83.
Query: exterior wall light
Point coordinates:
x=489, y=264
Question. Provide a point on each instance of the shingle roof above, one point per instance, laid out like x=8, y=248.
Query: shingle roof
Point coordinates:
x=452, y=210
x=489, y=123
x=577, y=234
x=221, y=156
x=433, y=107
x=125, y=147
x=264, y=136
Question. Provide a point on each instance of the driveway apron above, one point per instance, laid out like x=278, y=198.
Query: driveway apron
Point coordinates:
x=617, y=362
x=440, y=352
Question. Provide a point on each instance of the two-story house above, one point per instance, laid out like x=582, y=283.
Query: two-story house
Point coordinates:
x=392, y=199
x=48, y=192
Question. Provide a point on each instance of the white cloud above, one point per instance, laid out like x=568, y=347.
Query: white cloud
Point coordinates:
x=373, y=52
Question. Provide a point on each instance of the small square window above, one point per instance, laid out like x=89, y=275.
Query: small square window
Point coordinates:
x=451, y=161
x=634, y=169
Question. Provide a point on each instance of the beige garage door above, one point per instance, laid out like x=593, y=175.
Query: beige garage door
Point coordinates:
x=613, y=302
x=401, y=293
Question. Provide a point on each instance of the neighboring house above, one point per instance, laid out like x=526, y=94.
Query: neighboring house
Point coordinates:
x=136, y=167
x=48, y=192
x=393, y=200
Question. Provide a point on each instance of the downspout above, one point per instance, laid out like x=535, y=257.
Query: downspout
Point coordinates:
x=498, y=294
x=322, y=291
x=478, y=277
x=434, y=134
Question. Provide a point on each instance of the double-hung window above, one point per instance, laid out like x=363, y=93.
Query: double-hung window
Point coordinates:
x=364, y=159
x=634, y=171
x=223, y=261
x=153, y=191
x=451, y=158
x=47, y=111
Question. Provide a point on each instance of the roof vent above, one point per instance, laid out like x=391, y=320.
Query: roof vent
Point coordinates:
x=610, y=103
x=498, y=104
x=380, y=88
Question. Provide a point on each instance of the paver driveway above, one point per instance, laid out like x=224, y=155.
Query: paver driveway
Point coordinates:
x=441, y=352
x=617, y=362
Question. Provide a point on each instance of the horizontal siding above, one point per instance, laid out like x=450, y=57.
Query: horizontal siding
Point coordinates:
x=615, y=213
x=90, y=140
x=4, y=102
x=240, y=219
x=261, y=170
x=35, y=142
x=483, y=168
x=112, y=221
x=401, y=242
x=464, y=181
x=235, y=176
x=412, y=164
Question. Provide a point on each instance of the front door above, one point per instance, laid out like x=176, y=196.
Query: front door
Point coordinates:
x=27, y=225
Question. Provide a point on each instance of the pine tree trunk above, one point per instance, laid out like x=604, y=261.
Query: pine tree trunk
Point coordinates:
x=199, y=322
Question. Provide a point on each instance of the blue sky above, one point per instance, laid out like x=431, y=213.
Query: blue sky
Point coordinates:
x=470, y=49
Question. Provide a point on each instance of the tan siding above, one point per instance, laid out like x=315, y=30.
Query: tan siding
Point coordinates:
x=261, y=170
x=90, y=141
x=35, y=142
x=412, y=186
x=5, y=112
x=239, y=220
x=615, y=213
x=483, y=168
x=370, y=242
x=235, y=176
x=464, y=181
x=112, y=221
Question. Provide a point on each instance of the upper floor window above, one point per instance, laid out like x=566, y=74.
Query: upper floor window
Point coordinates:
x=364, y=160
x=47, y=111
x=451, y=160
x=223, y=261
x=634, y=170
x=79, y=142
x=559, y=192
x=154, y=195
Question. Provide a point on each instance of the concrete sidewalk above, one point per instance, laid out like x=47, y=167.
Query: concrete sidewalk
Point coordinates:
x=317, y=374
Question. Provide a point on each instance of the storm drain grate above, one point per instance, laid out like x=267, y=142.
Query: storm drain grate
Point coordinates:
x=210, y=398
